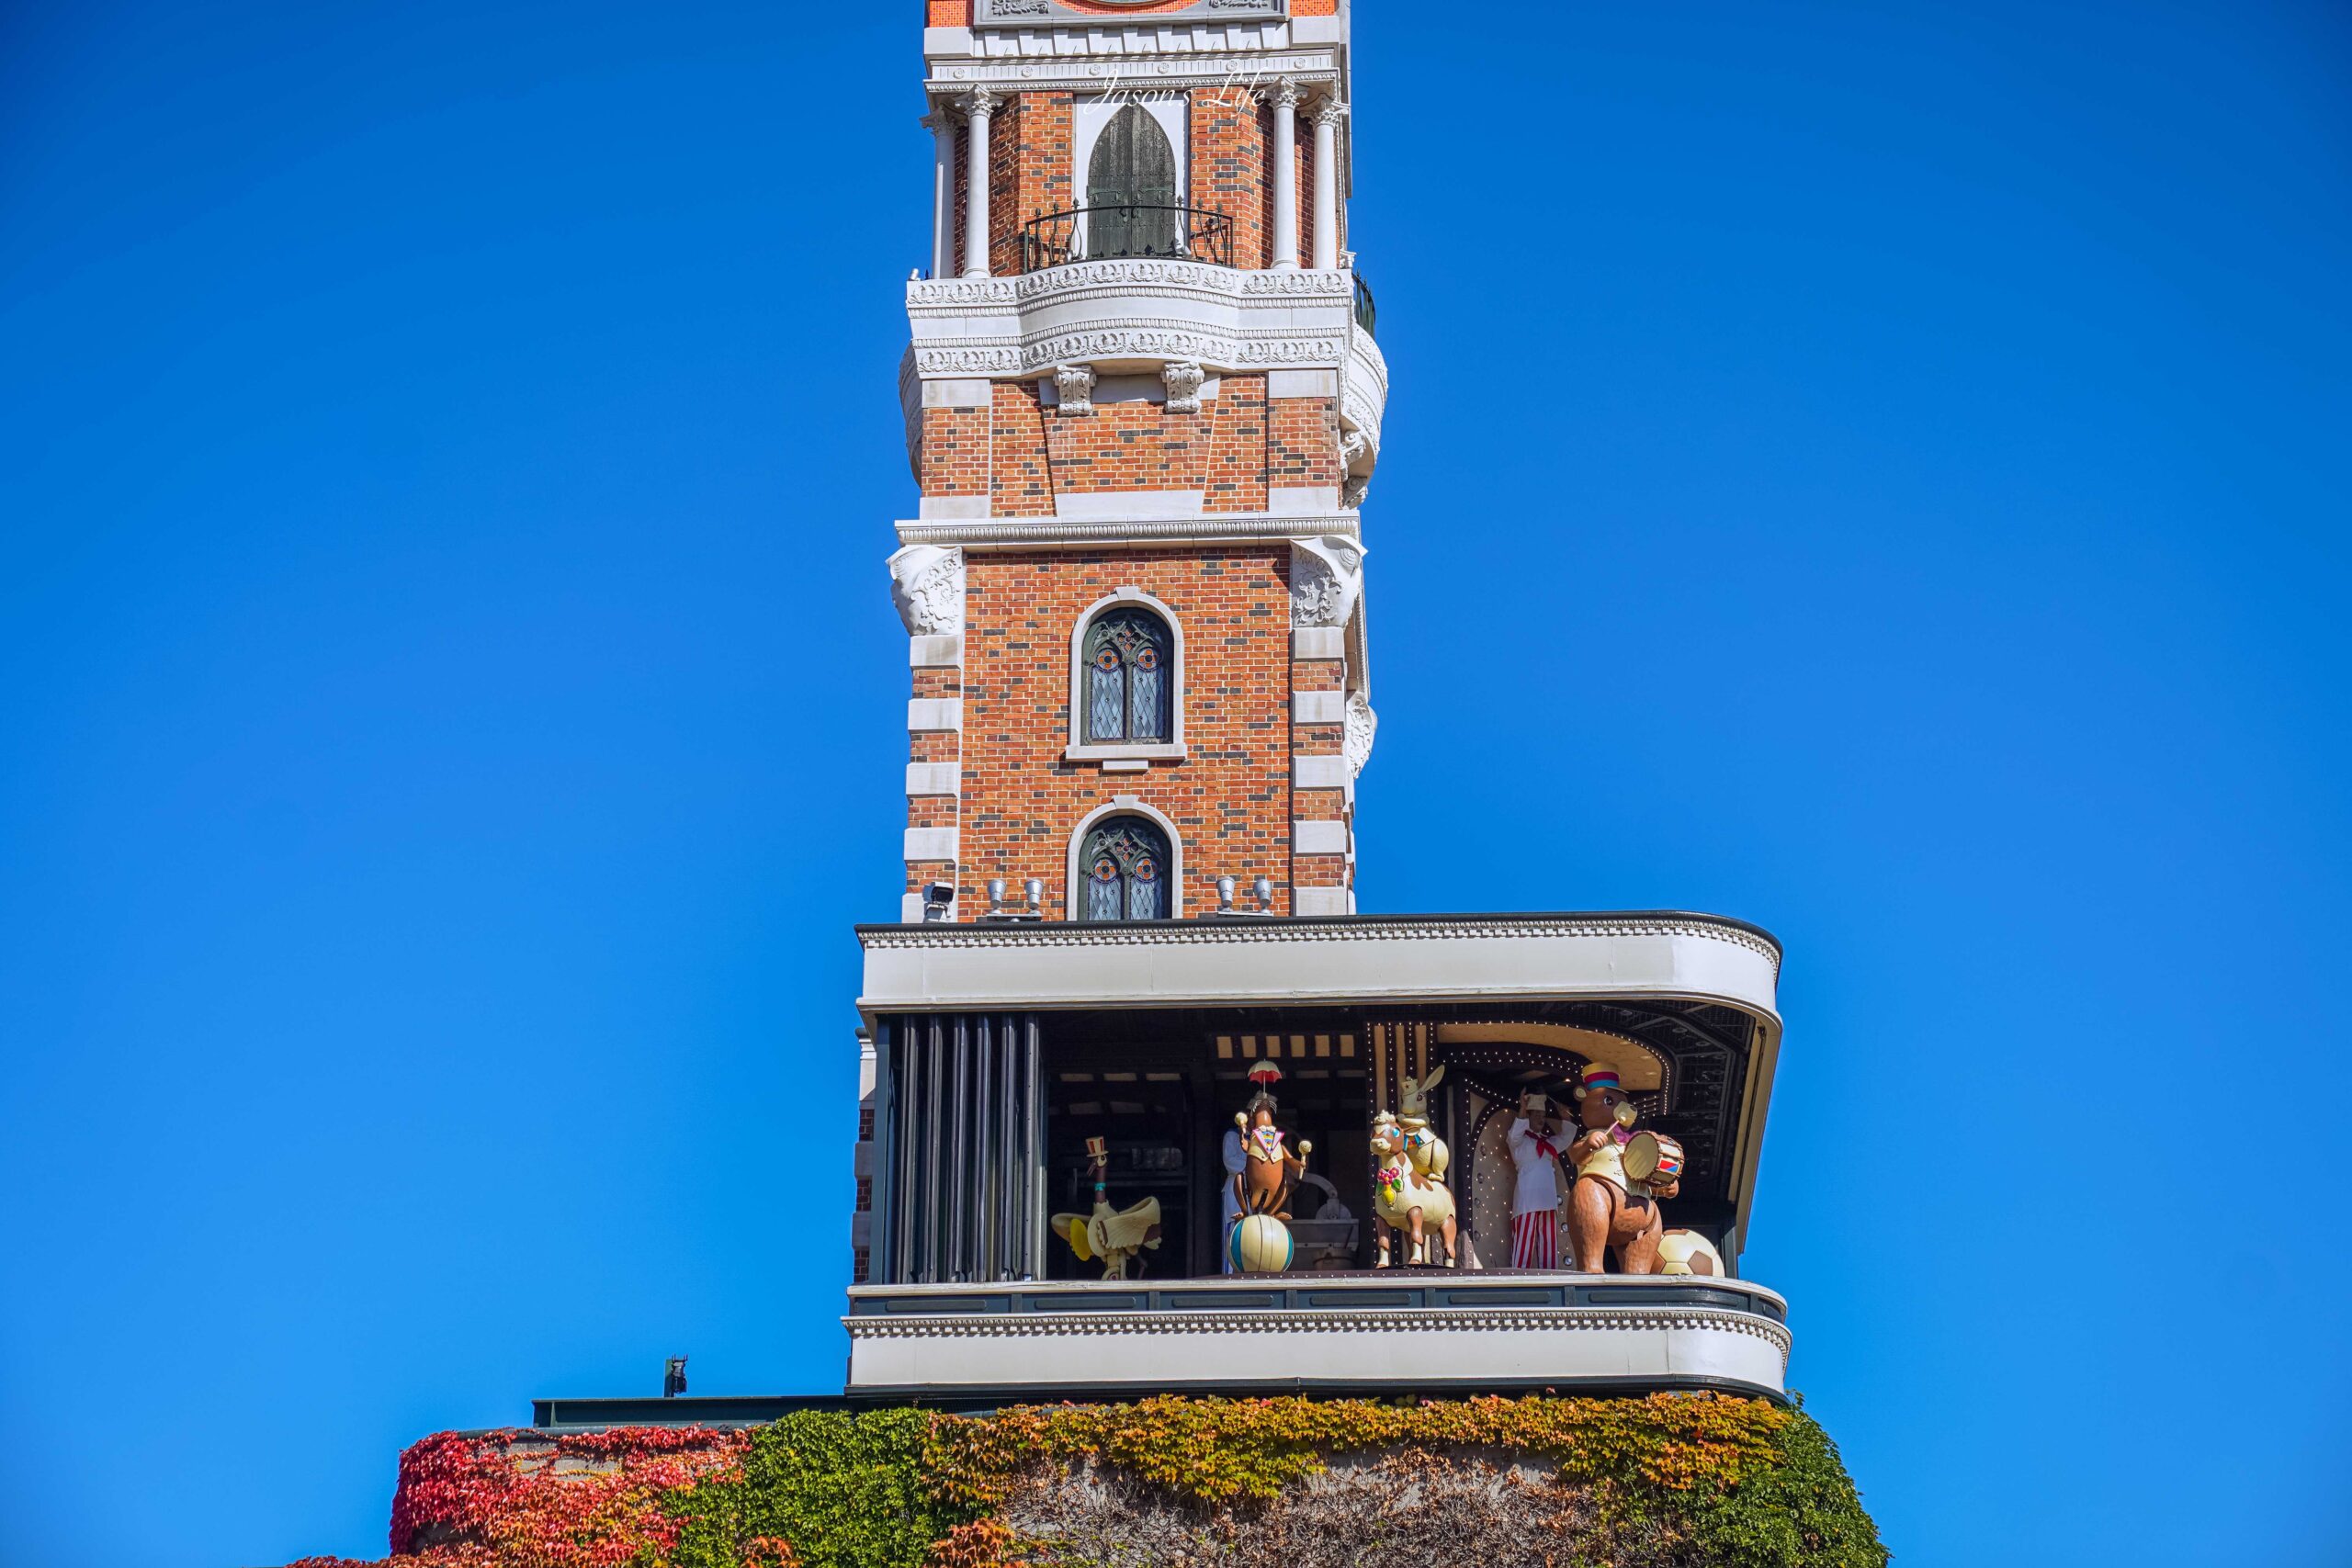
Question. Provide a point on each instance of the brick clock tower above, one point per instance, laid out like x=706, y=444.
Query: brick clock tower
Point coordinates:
x=1143, y=406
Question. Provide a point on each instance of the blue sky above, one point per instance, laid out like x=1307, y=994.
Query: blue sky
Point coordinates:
x=1876, y=470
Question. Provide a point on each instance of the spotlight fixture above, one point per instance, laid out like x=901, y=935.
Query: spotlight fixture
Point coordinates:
x=996, y=894
x=1265, y=891
x=1226, y=886
x=1035, y=888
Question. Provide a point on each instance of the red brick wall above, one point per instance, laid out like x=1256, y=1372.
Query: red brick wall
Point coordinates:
x=1030, y=163
x=1228, y=158
x=1230, y=799
x=1303, y=447
x=1022, y=453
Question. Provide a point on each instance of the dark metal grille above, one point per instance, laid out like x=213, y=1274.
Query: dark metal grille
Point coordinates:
x=1103, y=234
x=1366, y=312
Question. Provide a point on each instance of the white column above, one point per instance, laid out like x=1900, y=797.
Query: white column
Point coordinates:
x=1327, y=115
x=1285, y=247
x=943, y=191
x=979, y=107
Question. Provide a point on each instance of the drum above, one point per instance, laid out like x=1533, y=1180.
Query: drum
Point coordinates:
x=1653, y=1157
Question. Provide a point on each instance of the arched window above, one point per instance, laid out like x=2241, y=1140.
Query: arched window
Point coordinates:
x=1126, y=664
x=1131, y=188
x=1124, y=869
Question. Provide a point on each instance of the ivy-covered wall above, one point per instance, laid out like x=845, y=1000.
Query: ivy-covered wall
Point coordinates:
x=1669, y=1482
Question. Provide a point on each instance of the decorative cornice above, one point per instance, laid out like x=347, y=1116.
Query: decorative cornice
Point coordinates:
x=1354, y=928
x=1102, y=72
x=1522, y=1320
x=1200, y=527
x=1054, y=14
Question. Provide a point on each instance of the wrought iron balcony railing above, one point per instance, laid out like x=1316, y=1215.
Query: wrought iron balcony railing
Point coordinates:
x=1103, y=234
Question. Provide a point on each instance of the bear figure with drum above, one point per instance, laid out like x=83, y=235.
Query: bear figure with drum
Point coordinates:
x=1613, y=1205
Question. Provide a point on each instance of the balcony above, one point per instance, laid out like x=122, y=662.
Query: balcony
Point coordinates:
x=1001, y=1051
x=1115, y=233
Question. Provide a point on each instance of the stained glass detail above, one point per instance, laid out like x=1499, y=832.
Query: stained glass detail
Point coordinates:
x=1124, y=862
x=1127, y=658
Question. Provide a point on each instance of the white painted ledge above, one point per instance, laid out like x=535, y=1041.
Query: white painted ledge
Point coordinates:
x=940, y=652
x=1320, y=707
x=1320, y=772
x=1319, y=837
x=1390, y=958
x=933, y=715
x=935, y=778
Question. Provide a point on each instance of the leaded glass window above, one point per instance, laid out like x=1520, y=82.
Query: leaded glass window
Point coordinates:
x=1124, y=866
x=1127, y=676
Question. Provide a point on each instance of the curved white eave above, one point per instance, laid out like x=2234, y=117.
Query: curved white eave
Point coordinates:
x=1291, y=961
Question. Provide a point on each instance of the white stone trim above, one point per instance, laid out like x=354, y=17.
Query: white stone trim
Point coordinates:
x=1318, y=643
x=932, y=843
x=1319, y=707
x=1135, y=314
x=935, y=778
x=1319, y=836
x=1325, y=901
x=1420, y=1349
x=927, y=715
x=1128, y=505
x=1341, y=962
x=957, y=508
x=964, y=394
x=1125, y=806
x=1132, y=59
x=1302, y=500
x=1320, y=772
x=1080, y=749
x=927, y=588
x=943, y=650
x=1205, y=528
x=910, y=908
x=1138, y=752
x=1302, y=383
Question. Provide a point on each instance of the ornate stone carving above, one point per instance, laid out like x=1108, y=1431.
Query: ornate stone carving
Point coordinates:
x=1182, y=379
x=1354, y=447
x=1353, y=490
x=980, y=103
x=1286, y=93
x=1076, y=385
x=927, y=585
x=1363, y=726
x=1325, y=579
x=1331, y=111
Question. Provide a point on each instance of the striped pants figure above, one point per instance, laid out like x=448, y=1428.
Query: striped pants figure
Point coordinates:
x=1535, y=1239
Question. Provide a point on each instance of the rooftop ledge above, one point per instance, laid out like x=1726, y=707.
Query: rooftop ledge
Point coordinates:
x=1664, y=954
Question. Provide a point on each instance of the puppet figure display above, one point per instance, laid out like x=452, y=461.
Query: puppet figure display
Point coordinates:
x=1269, y=1170
x=1114, y=1236
x=1428, y=1152
x=1613, y=1206
x=1408, y=1203
x=1536, y=1144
